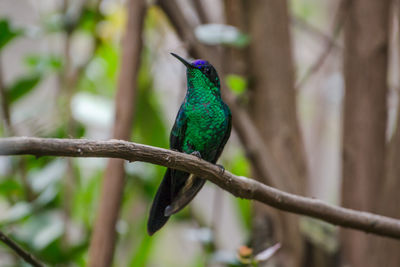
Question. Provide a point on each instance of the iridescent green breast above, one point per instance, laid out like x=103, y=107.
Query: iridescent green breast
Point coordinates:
x=206, y=123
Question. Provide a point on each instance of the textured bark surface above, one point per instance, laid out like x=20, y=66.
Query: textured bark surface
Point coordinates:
x=385, y=252
x=273, y=107
x=104, y=236
x=365, y=108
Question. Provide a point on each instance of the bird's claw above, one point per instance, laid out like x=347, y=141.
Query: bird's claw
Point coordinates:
x=196, y=153
x=222, y=168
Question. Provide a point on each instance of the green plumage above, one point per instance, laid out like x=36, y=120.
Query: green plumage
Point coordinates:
x=208, y=116
x=202, y=127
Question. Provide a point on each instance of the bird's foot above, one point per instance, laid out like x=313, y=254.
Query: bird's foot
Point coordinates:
x=196, y=153
x=222, y=168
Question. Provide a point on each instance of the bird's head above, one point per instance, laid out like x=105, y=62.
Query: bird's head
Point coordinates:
x=201, y=73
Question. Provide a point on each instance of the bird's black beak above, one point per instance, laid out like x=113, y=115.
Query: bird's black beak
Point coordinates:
x=186, y=63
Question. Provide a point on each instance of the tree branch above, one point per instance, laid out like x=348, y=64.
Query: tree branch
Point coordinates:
x=20, y=251
x=237, y=185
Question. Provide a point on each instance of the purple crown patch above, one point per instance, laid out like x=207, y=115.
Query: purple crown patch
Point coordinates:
x=200, y=63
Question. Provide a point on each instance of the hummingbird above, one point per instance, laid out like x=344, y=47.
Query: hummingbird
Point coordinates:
x=202, y=127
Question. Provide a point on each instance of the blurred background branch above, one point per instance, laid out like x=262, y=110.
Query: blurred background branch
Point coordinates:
x=20, y=251
x=103, y=240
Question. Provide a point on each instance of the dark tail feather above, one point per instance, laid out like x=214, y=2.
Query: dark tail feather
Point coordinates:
x=157, y=219
x=185, y=195
x=176, y=190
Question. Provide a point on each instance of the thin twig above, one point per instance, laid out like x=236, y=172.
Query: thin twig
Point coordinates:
x=309, y=28
x=29, y=258
x=338, y=22
x=239, y=186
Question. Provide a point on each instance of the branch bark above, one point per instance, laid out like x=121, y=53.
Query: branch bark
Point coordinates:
x=26, y=256
x=103, y=241
x=239, y=186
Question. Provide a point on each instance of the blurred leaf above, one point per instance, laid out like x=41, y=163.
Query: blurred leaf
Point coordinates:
x=42, y=233
x=101, y=72
x=19, y=211
x=89, y=19
x=236, y=83
x=44, y=63
x=22, y=86
x=22, y=210
x=35, y=163
x=92, y=110
x=7, y=33
x=47, y=196
x=86, y=198
x=244, y=207
x=215, y=34
x=112, y=26
x=238, y=163
x=52, y=228
x=11, y=187
x=40, y=179
x=142, y=253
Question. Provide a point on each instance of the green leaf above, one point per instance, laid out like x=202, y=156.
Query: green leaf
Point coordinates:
x=22, y=86
x=7, y=33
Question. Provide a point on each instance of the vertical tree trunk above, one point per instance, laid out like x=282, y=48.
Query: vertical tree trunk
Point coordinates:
x=365, y=108
x=273, y=107
x=385, y=251
x=103, y=240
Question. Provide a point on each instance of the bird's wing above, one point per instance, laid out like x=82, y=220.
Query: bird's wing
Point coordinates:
x=193, y=184
x=227, y=132
x=178, y=131
x=184, y=186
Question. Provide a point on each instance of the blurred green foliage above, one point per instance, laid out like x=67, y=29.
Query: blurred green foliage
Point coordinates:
x=236, y=83
x=7, y=32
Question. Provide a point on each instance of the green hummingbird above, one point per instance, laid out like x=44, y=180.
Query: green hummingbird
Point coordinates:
x=202, y=128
